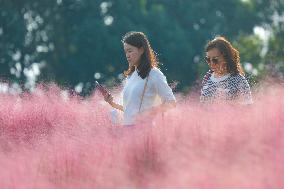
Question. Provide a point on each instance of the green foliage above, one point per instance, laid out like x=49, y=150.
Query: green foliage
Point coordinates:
x=274, y=59
x=70, y=41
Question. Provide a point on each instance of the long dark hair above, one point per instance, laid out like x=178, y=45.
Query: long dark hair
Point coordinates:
x=231, y=55
x=148, y=59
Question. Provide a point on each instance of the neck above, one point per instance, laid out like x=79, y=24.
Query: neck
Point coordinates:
x=136, y=65
x=219, y=73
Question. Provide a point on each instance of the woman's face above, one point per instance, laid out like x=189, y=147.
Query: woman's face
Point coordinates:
x=215, y=60
x=133, y=54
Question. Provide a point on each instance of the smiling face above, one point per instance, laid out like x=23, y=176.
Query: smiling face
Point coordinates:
x=216, y=61
x=133, y=54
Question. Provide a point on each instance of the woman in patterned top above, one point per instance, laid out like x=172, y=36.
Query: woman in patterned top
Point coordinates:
x=225, y=80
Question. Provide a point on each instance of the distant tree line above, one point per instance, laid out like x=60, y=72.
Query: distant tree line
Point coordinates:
x=74, y=42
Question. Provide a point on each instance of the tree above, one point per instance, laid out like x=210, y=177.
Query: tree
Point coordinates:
x=74, y=42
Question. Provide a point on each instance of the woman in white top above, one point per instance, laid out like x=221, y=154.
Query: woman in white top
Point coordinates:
x=146, y=88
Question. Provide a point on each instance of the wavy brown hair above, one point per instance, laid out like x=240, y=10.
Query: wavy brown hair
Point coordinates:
x=148, y=59
x=230, y=54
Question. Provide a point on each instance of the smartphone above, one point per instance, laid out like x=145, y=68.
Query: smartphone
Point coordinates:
x=102, y=89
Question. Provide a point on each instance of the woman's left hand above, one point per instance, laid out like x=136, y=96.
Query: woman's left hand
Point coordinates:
x=147, y=115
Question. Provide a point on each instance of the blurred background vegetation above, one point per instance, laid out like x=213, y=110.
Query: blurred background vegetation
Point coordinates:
x=74, y=42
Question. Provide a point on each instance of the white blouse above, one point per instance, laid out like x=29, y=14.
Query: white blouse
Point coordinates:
x=157, y=91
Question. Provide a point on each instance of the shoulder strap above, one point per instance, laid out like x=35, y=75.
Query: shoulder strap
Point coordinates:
x=145, y=85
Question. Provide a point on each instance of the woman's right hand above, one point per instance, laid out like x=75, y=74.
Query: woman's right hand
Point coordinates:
x=108, y=98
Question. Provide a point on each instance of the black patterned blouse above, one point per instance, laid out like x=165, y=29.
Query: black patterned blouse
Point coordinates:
x=228, y=87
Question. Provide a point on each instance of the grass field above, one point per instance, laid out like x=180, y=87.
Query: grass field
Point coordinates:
x=50, y=140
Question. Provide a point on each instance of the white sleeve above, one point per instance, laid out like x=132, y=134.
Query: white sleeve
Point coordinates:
x=163, y=89
x=120, y=99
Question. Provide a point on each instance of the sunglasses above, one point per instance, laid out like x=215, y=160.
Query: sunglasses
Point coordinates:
x=214, y=60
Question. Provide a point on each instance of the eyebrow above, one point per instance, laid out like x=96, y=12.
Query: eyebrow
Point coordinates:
x=212, y=57
x=127, y=49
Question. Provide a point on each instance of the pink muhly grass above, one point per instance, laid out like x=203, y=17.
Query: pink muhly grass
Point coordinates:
x=54, y=139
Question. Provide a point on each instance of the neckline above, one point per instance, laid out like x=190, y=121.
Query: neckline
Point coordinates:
x=218, y=79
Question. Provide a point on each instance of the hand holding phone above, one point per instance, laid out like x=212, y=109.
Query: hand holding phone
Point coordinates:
x=102, y=90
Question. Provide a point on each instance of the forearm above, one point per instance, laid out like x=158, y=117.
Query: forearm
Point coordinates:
x=116, y=106
x=168, y=105
x=109, y=99
x=164, y=107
